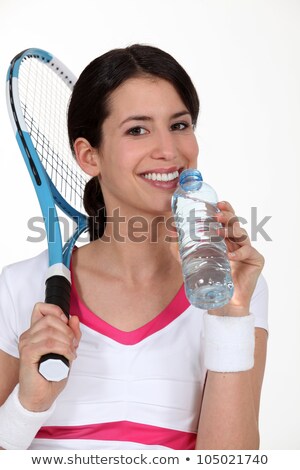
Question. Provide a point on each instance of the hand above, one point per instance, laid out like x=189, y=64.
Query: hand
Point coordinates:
x=245, y=261
x=50, y=331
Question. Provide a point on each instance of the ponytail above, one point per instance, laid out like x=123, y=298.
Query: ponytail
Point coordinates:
x=95, y=207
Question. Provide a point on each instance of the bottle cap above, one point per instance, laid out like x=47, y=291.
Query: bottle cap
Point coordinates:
x=190, y=179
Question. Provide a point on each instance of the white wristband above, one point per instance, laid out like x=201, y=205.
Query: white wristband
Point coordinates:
x=19, y=426
x=228, y=343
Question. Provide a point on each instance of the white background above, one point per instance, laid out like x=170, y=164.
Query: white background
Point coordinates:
x=244, y=58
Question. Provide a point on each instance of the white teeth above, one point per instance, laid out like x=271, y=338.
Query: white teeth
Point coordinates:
x=162, y=176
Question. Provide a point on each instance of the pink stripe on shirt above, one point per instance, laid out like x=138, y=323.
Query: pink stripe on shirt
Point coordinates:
x=123, y=431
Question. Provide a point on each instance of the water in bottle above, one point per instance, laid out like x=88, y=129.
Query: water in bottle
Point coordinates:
x=205, y=265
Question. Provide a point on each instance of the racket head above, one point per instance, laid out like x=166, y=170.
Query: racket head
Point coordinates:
x=39, y=88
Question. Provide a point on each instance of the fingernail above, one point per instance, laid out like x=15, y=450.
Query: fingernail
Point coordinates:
x=232, y=254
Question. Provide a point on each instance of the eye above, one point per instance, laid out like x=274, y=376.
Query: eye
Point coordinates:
x=180, y=126
x=137, y=131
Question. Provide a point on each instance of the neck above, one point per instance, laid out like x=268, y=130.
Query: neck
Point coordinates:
x=139, y=247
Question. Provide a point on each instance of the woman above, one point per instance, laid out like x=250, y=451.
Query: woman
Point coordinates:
x=139, y=379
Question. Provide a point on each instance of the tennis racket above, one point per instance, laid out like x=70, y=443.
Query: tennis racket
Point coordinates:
x=38, y=92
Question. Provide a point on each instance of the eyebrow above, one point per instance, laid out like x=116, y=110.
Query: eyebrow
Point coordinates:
x=148, y=118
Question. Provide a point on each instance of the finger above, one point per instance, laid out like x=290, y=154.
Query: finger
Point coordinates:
x=42, y=309
x=74, y=324
x=51, y=323
x=48, y=339
x=246, y=252
x=227, y=218
x=234, y=234
x=225, y=206
x=232, y=230
x=30, y=353
x=49, y=331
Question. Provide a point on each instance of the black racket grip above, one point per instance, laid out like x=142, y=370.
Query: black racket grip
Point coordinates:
x=55, y=367
x=58, y=292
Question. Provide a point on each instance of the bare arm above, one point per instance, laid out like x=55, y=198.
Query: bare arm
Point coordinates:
x=230, y=407
x=9, y=373
x=49, y=331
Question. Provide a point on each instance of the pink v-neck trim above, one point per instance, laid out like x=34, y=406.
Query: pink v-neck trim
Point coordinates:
x=175, y=308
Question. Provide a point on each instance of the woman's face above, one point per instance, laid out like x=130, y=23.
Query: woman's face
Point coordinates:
x=148, y=139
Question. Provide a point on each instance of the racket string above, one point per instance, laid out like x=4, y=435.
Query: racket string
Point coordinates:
x=44, y=98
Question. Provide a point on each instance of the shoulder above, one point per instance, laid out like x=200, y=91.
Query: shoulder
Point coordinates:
x=22, y=284
x=26, y=272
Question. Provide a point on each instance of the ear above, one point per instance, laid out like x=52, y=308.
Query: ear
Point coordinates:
x=87, y=157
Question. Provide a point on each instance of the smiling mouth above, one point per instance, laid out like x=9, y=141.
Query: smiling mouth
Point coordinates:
x=162, y=176
x=163, y=180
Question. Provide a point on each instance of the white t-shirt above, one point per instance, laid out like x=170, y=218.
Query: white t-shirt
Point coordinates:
x=127, y=390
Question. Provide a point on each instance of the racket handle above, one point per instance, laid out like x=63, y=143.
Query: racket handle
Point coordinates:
x=58, y=292
x=55, y=367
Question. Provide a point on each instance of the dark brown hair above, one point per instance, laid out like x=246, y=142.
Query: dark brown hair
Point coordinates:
x=89, y=104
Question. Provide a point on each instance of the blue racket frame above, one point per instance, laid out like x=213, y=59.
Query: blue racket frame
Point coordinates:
x=47, y=194
x=52, y=366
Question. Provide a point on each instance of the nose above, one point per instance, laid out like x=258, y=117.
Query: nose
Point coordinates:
x=164, y=146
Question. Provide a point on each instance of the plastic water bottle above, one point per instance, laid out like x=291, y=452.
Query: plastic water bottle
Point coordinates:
x=205, y=265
